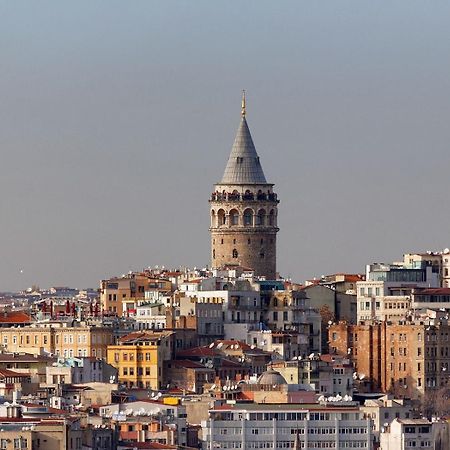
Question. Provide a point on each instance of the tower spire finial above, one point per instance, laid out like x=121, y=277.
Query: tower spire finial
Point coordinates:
x=243, y=110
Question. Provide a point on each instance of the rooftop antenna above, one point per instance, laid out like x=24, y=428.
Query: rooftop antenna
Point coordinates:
x=243, y=109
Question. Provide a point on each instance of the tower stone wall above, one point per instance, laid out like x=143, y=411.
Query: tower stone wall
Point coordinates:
x=243, y=211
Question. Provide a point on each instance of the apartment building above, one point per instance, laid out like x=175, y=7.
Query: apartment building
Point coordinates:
x=408, y=358
x=420, y=434
x=290, y=310
x=37, y=433
x=386, y=292
x=121, y=295
x=281, y=426
x=58, y=338
x=140, y=357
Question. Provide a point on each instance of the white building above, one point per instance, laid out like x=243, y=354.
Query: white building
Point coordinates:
x=281, y=426
x=417, y=434
x=384, y=410
x=386, y=293
x=150, y=316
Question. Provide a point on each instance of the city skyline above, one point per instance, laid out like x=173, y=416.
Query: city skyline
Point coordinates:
x=117, y=121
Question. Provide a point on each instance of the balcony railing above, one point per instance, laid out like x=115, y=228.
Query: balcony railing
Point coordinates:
x=236, y=197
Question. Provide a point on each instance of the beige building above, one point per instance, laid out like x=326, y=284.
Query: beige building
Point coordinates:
x=58, y=339
x=244, y=211
x=49, y=434
x=119, y=295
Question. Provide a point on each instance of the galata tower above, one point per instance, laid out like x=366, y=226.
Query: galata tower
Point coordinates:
x=244, y=210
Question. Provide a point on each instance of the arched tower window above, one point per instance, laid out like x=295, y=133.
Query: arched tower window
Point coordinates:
x=221, y=218
x=248, y=195
x=248, y=217
x=272, y=217
x=235, y=253
x=213, y=218
x=234, y=217
x=261, y=217
x=214, y=254
x=261, y=195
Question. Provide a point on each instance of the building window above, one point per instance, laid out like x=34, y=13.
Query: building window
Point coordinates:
x=234, y=217
x=248, y=217
x=235, y=253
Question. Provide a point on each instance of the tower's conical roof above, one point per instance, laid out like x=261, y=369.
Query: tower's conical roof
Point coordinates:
x=243, y=165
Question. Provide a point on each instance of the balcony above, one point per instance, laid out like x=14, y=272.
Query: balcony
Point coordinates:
x=236, y=197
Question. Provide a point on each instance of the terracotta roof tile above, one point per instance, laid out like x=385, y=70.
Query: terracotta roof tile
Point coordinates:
x=14, y=317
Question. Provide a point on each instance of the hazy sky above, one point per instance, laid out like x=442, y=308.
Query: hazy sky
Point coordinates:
x=116, y=119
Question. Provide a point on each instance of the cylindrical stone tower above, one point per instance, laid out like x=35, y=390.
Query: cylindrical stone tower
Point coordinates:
x=244, y=211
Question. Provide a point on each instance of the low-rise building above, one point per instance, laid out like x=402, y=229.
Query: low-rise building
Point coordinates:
x=140, y=357
x=188, y=375
x=421, y=434
x=80, y=370
x=162, y=421
x=64, y=338
x=384, y=410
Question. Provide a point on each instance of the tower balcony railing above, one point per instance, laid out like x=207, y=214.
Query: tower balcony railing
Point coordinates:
x=236, y=197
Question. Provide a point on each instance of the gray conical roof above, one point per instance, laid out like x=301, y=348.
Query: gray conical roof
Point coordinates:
x=243, y=165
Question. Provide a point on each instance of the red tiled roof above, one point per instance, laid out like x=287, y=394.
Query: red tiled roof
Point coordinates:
x=25, y=357
x=133, y=444
x=188, y=364
x=327, y=358
x=142, y=335
x=229, y=363
x=10, y=373
x=198, y=351
x=14, y=317
x=19, y=419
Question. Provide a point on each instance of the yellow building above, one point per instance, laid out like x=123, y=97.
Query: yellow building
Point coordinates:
x=76, y=341
x=140, y=357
